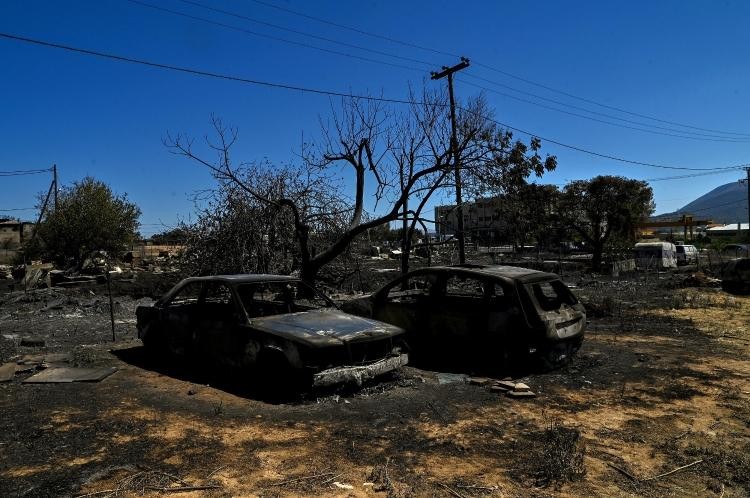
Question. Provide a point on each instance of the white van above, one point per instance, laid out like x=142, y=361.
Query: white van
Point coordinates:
x=655, y=255
x=686, y=254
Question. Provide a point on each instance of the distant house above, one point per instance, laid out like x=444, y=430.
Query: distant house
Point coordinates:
x=730, y=229
x=13, y=233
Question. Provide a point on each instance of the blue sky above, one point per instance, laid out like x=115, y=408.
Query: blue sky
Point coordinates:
x=679, y=61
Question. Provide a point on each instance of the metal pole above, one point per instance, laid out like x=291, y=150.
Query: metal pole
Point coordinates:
x=54, y=174
x=111, y=304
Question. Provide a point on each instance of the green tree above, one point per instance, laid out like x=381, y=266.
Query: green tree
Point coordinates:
x=89, y=217
x=605, y=210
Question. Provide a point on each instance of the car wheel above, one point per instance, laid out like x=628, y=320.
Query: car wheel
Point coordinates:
x=557, y=355
x=275, y=376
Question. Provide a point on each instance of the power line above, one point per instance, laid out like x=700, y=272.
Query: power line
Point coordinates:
x=603, y=121
x=271, y=37
x=338, y=94
x=494, y=69
x=716, y=138
x=356, y=30
x=679, y=177
x=698, y=136
x=23, y=172
x=606, y=106
x=303, y=33
x=17, y=209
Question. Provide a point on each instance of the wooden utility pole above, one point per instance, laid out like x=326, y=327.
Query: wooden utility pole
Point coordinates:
x=448, y=71
x=54, y=181
x=747, y=183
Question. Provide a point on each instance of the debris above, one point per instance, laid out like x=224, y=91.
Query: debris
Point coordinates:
x=506, y=384
x=7, y=371
x=342, y=486
x=451, y=490
x=32, y=342
x=479, y=381
x=673, y=471
x=66, y=374
x=451, y=378
x=305, y=478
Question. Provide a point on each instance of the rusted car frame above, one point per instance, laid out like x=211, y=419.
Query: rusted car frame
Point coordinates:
x=474, y=315
x=271, y=324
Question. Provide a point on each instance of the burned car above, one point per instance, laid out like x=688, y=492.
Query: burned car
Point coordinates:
x=276, y=325
x=496, y=317
x=735, y=276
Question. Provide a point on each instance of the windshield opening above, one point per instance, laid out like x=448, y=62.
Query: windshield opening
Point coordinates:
x=274, y=298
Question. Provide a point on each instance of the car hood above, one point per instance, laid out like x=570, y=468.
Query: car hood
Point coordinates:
x=324, y=327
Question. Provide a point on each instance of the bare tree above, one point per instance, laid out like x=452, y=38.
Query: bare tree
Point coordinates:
x=395, y=157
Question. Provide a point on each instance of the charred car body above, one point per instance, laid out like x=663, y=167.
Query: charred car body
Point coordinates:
x=494, y=316
x=276, y=325
x=735, y=276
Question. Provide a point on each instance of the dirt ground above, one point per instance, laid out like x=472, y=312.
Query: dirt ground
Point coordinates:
x=661, y=382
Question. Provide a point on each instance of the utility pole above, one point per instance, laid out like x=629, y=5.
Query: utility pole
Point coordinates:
x=54, y=180
x=747, y=183
x=448, y=71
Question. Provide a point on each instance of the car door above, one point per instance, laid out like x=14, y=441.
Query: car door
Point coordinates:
x=178, y=317
x=458, y=318
x=406, y=302
x=219, y=331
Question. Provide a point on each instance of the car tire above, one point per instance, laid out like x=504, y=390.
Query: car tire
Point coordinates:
x=558, y=354
x=275, y=377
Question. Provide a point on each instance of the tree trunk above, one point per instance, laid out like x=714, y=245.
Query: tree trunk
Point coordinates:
x=596, y=259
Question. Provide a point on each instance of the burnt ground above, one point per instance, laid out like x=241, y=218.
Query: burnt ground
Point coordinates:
x=660, y=383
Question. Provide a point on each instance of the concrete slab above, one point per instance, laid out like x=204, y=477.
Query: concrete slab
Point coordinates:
x=65, y=375
x=7, y=372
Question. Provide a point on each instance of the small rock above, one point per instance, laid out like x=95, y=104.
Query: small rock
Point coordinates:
x=342, y=485
x=499, y=389
x=521, y=394
x=507, y=384
x=521, y=387
x=191, y=392
x=479, y=381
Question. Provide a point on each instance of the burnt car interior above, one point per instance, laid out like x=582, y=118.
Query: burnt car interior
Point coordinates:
x=275, y=298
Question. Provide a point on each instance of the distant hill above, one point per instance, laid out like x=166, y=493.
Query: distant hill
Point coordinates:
x=725, y=204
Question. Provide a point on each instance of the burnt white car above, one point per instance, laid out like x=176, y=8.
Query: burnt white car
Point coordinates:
x=475, y=315
x=276, y=325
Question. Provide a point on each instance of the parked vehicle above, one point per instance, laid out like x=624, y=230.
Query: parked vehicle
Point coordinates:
x=484, y=317
x=274, y=324
x=736, y=250
x=686, y=254
x=735, y=276
x=655, y=255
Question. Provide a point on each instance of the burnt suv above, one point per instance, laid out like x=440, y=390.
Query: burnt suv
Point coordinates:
x=274, y=324
x=493, y=317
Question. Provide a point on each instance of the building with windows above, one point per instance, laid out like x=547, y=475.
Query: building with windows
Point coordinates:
x=13, y=233
x=482, y=220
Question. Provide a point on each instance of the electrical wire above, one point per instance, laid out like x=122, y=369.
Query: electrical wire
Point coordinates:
x=303, y=33
x=271, y=37
x=713, y=138
x=338, y=94
x=17, y=209
x=603, y=121
x=24, y=172
x=494, y=69
x=698, y=136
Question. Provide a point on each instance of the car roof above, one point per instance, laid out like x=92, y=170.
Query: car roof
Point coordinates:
x=241, y=278
x=497, y=271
